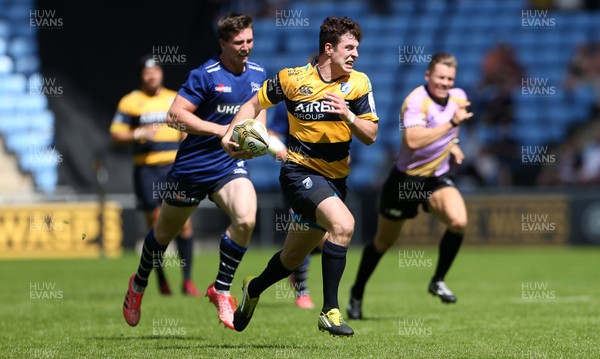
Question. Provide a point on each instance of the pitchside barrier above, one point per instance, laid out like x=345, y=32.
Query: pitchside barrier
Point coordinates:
x=69, y=230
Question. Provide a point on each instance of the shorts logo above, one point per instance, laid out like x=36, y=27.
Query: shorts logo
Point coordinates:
x=307, y=182
x=395, y=212
x=345, y=87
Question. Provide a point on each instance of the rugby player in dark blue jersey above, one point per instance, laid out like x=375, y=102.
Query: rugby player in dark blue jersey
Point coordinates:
x=204, y=107
x=328, y=103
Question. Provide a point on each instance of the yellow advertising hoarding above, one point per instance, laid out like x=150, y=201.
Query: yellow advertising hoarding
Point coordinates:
x=60, y=230
x=520, y=220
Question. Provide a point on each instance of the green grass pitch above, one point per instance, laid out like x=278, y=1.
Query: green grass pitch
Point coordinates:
x=512, y=303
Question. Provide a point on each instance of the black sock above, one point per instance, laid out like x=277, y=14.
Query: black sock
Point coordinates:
x=151, y=256
x=230, y=255
x=333, y=262
x=300, y=276
x=368, y=263
x=160, y=272
x=185, y=246
x=449, y=246
x=274, y=272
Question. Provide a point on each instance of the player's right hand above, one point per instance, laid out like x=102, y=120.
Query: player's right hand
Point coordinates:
x=461, y=114
x=145, y=133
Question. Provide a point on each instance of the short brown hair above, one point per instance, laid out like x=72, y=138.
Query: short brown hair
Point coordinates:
x=334, y=27
x=442, y=58
x=231, y=24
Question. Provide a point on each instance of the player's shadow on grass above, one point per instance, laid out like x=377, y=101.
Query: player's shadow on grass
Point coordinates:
x=239, y=346
x=370, y=319
x=150, y=337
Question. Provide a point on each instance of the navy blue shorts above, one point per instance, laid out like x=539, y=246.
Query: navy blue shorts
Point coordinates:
x=181, y=193
x=304, y=189
x=147, y=183
x=402, y=194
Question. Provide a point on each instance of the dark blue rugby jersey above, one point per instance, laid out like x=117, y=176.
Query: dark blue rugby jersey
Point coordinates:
x=218, y=94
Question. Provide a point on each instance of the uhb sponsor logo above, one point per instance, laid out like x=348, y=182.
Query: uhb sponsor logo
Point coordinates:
x=228, y=108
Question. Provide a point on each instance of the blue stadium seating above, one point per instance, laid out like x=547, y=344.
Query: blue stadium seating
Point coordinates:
x=25, y=121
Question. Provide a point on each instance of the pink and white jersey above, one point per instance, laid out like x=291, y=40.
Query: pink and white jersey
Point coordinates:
x=419, y=109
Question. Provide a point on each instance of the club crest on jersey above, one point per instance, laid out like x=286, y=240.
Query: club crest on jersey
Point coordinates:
x=305, y=90
x=307, y=183
x=222, y=88
x=345, y=87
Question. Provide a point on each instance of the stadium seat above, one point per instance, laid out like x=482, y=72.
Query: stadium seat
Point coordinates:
x=4, y=29
x=22, y=46
x=15, y=83
x=6, y=65
x=27, y=65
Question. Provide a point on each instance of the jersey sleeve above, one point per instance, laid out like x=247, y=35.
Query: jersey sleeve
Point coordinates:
x=271, y=91
x=121, y=122
x=364, y=105
x=459, y=95
x=194, y=88
x=412, y=113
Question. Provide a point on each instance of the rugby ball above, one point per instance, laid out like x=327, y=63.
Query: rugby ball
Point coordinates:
x=251, y=135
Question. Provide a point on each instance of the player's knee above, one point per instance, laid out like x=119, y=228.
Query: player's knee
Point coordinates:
x=163, y=236
x=244, y=226
x=458, y=225
x=343, y=230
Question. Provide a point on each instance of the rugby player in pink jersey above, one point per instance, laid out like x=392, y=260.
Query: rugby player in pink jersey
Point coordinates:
x=429, y=122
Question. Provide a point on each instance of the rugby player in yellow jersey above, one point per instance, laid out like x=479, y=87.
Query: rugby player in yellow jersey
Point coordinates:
x=327, y=102
x=140, y=119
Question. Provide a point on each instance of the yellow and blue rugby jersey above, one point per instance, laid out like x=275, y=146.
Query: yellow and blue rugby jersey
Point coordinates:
x=317, y=139
x=137, y=109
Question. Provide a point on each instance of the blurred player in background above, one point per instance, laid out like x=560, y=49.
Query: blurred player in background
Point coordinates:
x=429, y=121
x=141, y=120
x=328, y=102
x=278, y=130
x=204, y=107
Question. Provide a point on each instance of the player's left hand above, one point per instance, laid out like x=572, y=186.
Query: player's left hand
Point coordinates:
x=457, y=153
x=337, y=104
x=233, y=150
